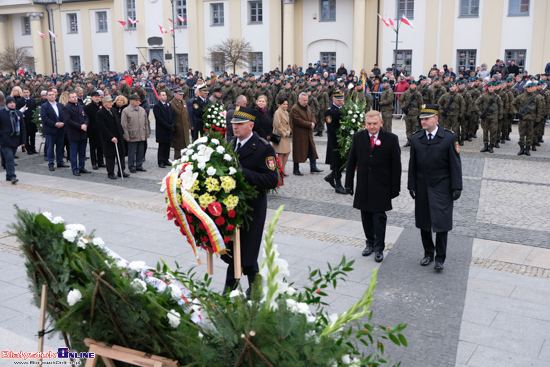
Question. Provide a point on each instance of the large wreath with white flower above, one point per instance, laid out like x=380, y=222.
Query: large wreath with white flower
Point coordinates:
x=213, y=118
x=353, y=119
x=206, y=193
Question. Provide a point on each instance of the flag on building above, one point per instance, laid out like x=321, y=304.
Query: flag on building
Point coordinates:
x=384, y=20
x=405, y=20
x=42, y=35
x=53, y=35
x=389, y=20
x=181, y=19
x=130, y=21
x=122, y=23
x=171, y=21
x=162, y=30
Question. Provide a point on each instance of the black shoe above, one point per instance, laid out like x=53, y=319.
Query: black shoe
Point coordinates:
x=426, y=261
x=407, y=144
x=378, y=256
x=161, y=165
x=469, y=137
x=318, y=133
x=168, y=163
x=534, y=148
x=474, y=136
x=541, y=140
x=112, y=176
x=314, y=169
x=15, y=156
x=14, y=180
x=491, y=148
x=438, y=266
x=30, y=153
x=330, y=179
x=537, y=143
x=521, y=150
x=52, y=168
x=62, y=165
x=502, y=140
x=496, y=145
x=297, y=173
x=84, y=170
x=76, y=173
x=461, y=142
x=507, y=137
x=526, y=151
x=141, y=169
x=23, y=149
x=94, y=167
x=133, y=171
x=101, y=165
x=124, y=174
x=248, y=293
x=485, y=148
x=340, y=190
x=367, y=251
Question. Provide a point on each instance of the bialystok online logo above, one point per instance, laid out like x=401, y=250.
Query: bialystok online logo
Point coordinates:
x=62, y=353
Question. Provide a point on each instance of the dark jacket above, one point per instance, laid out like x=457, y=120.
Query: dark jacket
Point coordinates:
x=228, y=118
x=435, y=171
x=31, y=106
x=195, y=108
x=263, y=124
x=378, y=171
x=342, y=71
x=164, y=122
x=74, y=117
x=49, y=119
x=110, y=127
x=91, y=110
x=7, y=138
x=332, y=117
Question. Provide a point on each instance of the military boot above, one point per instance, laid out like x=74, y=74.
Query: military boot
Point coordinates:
x=407, y=144
x=485, y=148
x=526, y=151
x=461, y=142
x=541, y=140
x=491, y=148
x=469, y=137
x=521, y=150
x=534, y=148
x=313, y=168
x=507, y=137
x=330, y=179
x=496, y=145
x=536, y=142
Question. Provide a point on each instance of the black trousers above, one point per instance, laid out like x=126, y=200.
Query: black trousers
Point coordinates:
x=163, y=153
x=440, y=245
x=96, y=151
x=110, y=163
x=374, y=226
x=231, y=283
x=198, y=129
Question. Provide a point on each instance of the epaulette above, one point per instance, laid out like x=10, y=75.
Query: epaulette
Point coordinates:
x=451, y=131
x=416, y=132
x=264, y=141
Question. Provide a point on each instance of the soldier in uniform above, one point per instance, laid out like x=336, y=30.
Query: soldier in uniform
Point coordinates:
x=508, y=116
x=425, y=90
x=289, y=94
x=322, y=98
x=489, y=108
x=357, y=95
x=411, y=102
x=228, y=93
x=386, y=104
x=451, y=109
x=195, y=107
x=258, y=165
x=468, y=106
x=332, y=116
x=529, y=109
x=275, y=89
x=473, y=121
x=124, y=88
x=538, y=126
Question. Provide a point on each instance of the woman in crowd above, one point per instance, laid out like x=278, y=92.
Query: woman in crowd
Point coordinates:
x=17, y=93
x=263, y=124
x=281, y=127
x=64, y=98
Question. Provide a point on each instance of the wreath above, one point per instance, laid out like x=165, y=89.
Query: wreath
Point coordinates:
x=214, y=118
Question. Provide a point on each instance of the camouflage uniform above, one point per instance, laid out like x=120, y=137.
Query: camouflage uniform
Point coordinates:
x=473, y=124
x=427, y=94
x=538, y=126
x=493, y=112
x=465, y=118
x=228, y=94
x=323, y=100
x=529, y=114
x=411, y=103
x=386, y=107
x=452, y=105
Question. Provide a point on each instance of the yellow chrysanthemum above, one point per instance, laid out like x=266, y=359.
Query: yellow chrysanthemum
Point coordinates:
x=195, y=186
x=231, y=202
x=212, y=188
x=212, y=181
x=206, y=199
x=178, y=198
x=228, y=184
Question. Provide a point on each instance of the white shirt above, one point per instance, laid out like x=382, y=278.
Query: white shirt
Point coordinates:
x=243, y=142
x=433, y=132
x=56, y=110
x=375, y=136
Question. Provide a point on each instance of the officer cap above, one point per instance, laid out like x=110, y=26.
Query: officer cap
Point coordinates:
x=135, y=97
x=243, y=114
x=429, y=110
x=452, y=84
x=203, y=88
x=178, y=91
x=491, y=84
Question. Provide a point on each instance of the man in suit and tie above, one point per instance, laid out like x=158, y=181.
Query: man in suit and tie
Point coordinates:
x=164, y=128
x=27, y=105
x=435, y=181
x=53, y=127
x=376, y=154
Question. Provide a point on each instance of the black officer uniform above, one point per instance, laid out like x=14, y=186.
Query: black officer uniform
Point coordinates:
x=164, y=131
x=258, y=165
x=435, y=181
x=196, y=106
x=332, y=117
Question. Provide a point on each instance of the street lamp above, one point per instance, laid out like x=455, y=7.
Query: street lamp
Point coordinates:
x=45, y=3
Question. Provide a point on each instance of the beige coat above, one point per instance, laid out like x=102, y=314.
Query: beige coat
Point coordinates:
x=302, y=133
x=281, y=127
x=134, y=124
x=181, y=124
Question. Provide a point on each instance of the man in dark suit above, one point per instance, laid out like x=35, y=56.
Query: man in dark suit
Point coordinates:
x=27, y=105
x=94, y=134
x=258, y=165
x=53, y=128
x=195, y=107
x=332, y=116
x=12, y=135
x=435, y=181
x=376, y=154
x=77, y=125
x=112, y=138
x=164, y=128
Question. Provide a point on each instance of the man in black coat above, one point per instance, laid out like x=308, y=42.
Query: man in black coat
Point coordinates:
x=258, y=165
x=77, y=124
x=28, y=105
x=112, y=137
x=164, y=128
x=435, y=181
x=94, y=133
x=376, y=155
x=332, y=116
x=195, y=107
x=12, y=135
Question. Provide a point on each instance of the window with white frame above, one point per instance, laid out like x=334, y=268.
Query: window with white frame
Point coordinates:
x=256, y=62
x=101, y=20
x=518, y=7
x=104, y=63
x=182, y=63
x=330, y=59
x=26, y=24
x=403, y=60
x=217, y=14
x=72, y=23
x=328, y=10
x=518, y=56
x=131, y=13
x=405, y=7
x=75, y=63
x=255, y=12
x=180, y=11
x=466, y=59
x=469, y=8
x=218, y=62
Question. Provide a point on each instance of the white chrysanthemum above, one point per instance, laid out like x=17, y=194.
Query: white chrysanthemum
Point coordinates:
x=211, y=171
x=346, y=359
x=235, y=293
x=76, y=227
x=82, y=242
x=174, y=318
x=121, y=263
x=201, y=166
x=303, y=308
x=291, y=304
x=58, y=220
x=189, y=152
x=73, y=297
x=352, y=120
x=227, y=157
x=220, y=149
x=215, y=141
x=194, y=157
x=290, y=291
x=232, y=170
x=139, y=285
x=70, y=235
x=175, y=291
x=184, y=158
x=98, y=241
x=204, y=139
x=48, y=215
x=137, y=265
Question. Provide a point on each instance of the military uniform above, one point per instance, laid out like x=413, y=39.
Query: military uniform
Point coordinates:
x=427, y=94
x=489, y=108
x=508, y=116
x=228, y=94
x=411, y=102
x=538, y=126
x=451, y=109
x=464, y=119
x=529, y=107
x=386, y=107
x=195, y=107
x=323, y=100
x=473, y=121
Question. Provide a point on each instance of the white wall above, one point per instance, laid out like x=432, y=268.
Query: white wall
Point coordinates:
x=72, y=41
x=257, y=34
x=214, y=34
x=517, y=33
x=102, y=42
x=20, y=39
x=467, y=36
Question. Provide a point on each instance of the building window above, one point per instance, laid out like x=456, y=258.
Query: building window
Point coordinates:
x=330, y=59
x=131, y=59
x=104, y=63
x=405, y=7
x=182, y=63
x=466, y=59
x=217, y=14
x=469, y=8
x=403, y=60
x=255, y=12
x=131, y=13
x=328, y=10
x=518, y=8
x=75, y=63
x=72, y=23
x=518, y=56
x=257, y=62
x=218, y=62
x=26, y=22
x=180, y=9
x=101, y=17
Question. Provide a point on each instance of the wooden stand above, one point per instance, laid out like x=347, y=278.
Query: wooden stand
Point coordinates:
x=43, y=301
x=131, y=356
x=209, y=263
x=236, y=256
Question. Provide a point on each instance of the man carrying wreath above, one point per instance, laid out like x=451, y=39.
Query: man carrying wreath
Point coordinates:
x=259, y=167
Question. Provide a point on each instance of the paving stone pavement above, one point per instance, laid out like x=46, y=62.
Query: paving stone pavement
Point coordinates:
x=502, y=319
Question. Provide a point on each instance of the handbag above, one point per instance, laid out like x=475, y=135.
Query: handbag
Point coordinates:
x=275, y=138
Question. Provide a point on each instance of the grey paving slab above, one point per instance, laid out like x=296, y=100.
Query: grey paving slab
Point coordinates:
x=486, y=356
x=464, y=352
x=544, y=354
x=478, y=315
x=489, y=287
x=531, y=295
x=514, y=324
x=509, y=305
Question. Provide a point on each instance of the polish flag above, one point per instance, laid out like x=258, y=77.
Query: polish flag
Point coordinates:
x=162, y=30
x=170, y=27
x=384, y=20
x=389, y=20
x=53, y=35
x=171, y=21
x=406, y=21
x=122, y=23
x=130, y=21
x=42, y=35
x=181, y=19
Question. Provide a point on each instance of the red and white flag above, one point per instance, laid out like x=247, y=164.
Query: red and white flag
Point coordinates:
x=122, y=23
x=130, y=21
x=171, y=21
x=406, y=21
x=181, y=19
x=42, y=35
x=389, y=20
x=384, y=20
x=162, y=30
x=53, y=35
x=170, y=27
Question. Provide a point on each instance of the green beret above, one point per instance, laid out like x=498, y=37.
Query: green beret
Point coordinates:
x=452, y=84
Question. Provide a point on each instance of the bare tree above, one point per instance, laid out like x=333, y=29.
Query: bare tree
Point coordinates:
x=13, y=58
x=230, y=53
